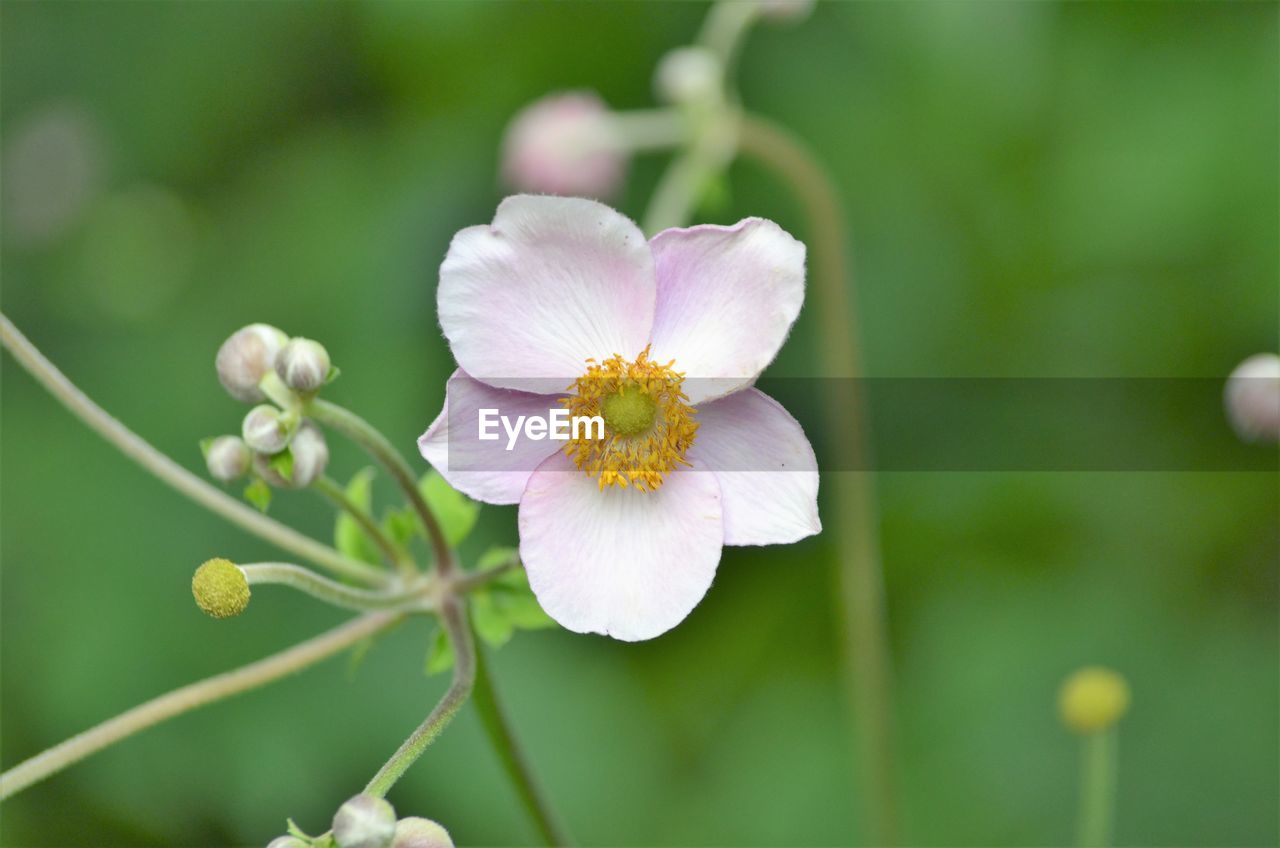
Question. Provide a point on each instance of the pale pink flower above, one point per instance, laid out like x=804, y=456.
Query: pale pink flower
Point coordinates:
x=564, y=144
x=1252, y=398
x=562, y=302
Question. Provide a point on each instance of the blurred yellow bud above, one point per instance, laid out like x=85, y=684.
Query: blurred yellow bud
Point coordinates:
x=1092, y=699
x=220, y=588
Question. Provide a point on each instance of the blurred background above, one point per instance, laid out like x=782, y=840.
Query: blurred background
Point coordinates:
x=1035, y=189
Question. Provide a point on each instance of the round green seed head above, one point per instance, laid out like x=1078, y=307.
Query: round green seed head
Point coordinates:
x=1093, y=699
x=220, y=588
x=629, y=413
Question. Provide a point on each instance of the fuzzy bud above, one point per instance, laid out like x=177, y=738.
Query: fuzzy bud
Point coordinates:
x=266, y=429
x=227, y=458
x=364, y=822
x=1252, y=398
x=564, y=144
x=246, y=357
x=220, y=588
x=286, y=842
x=415, y=832
x=303, y=365
x=688, y=75
x=1093, y=699
x=308, y=458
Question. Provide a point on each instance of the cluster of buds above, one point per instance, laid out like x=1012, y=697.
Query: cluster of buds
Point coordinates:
x=366, y=821
x=259, y=364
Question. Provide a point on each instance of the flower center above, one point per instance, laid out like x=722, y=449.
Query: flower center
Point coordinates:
x=648, y=422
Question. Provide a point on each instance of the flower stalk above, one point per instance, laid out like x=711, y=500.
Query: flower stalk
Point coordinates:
x=453, y=617
x=339, y=595
x=393, y=554
x=860, y=577
x=1097, y=788
x=376, y=445
x=191, y=697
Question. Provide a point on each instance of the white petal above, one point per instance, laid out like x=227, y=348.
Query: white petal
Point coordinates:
x=766, y=467
x=485, y=469
x=554, y=281
x=727, y=297
x=621, y=562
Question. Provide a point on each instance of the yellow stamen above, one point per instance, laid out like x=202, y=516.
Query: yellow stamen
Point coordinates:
x=649, y=424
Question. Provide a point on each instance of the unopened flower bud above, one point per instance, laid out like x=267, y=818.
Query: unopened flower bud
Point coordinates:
x=415, y=832
x=308, y=456
x=1253, y=398
x=564, y=144
x=303, y=365
x=227, y=458
x=266, y=429
x=364, y=822
x=688, y=75
x=1093, y=699
x=220, y=588
x=286, y=842
x=784, y=10
x=246, y=357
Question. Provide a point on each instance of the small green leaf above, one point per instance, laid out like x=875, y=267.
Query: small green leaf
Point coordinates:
x=334, y=373
x=401, y=525
x=348, y=536
x=491, y=622
x=205, y=444
x=495, y=557
x=440, y=657
x=456, y=512
x=282, y=463
x=507, y=603
x=258, y=493
x=356, y=658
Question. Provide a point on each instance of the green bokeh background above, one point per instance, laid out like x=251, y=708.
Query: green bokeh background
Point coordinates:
x=1034, y=189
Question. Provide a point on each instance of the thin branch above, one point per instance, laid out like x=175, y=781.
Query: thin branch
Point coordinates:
x=501, y=734
x=363, y=433
x=394, y=555
x=454, y=618
x=332, y=592
x=141, y=452
x=469, y=582
x=857, y=530
x=189, y=698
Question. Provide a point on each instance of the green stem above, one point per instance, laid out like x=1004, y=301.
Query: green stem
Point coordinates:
x=137, y=449
x=393, y=554
x=498, y=727
x=454, y=618
x=362, y=433
x=470, y=581
x=862, y=608
x=1097, y=788
x=331, y=592
x=190, y=697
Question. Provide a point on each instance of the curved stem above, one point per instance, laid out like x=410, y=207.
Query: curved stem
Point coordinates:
x=137, y=449
x=454, y=618
x=1097, y=789
x=332, y=592
x=189, y=698
x=860, y=576
x=468, y=582
x=362, y=433
x=394, y=555
x=498, y=728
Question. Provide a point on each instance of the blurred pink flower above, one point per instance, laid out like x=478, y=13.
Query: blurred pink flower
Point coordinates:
x=1252, y=398
x=562, y=302
x=564, y=144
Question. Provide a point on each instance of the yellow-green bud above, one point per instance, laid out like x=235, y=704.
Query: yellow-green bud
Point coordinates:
x=1092, y=699
x=220, y=588
x=364, y=821
x=303, y=365
x=415, y=832
x=246, y=357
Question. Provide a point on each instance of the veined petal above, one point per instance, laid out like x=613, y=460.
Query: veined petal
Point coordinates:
x=485, y=469
x=727, y=297
x=620, y=562
x=766, y=467
x=552, y=282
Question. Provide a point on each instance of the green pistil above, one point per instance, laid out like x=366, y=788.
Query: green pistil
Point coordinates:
x=629, y=413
